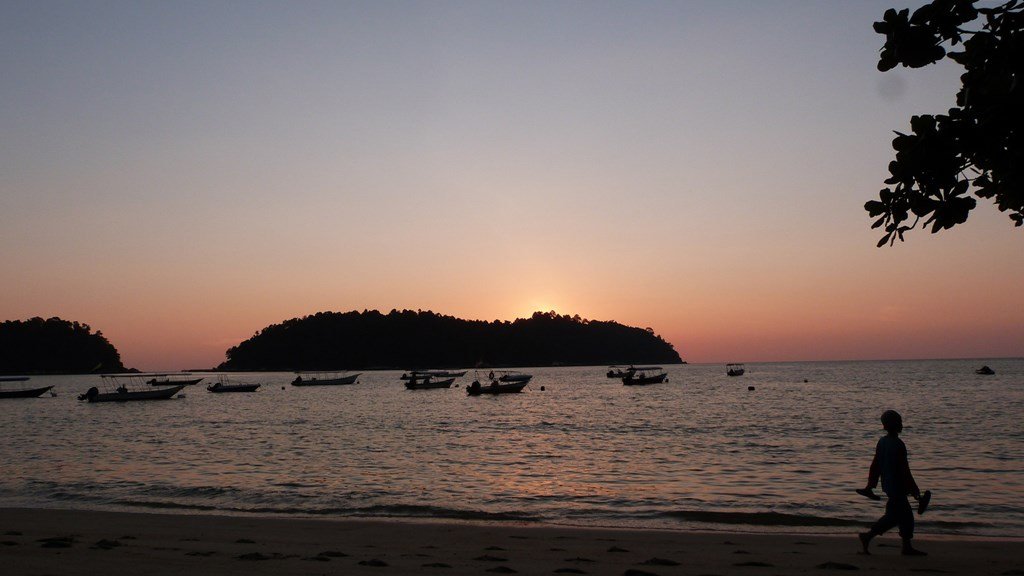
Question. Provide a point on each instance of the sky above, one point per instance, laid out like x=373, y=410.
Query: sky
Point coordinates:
x=180, y=175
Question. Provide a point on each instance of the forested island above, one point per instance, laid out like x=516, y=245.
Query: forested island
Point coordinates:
x=410, y=339
x=55, y=346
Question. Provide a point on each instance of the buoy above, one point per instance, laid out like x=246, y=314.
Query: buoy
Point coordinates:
x=541, y=388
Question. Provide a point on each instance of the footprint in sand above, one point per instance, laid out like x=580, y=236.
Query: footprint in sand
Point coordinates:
x=501, y=570
x=495, y=548
x=632, y=572
x=436, y=565
x=374, y=562
x=617, y=549
x=837, y=566
x=579, y=559
x=659, y=562
x=755, y=564
x=244, y=541
x=57, y=542
x=569, y=571
x=489, y=558
x=105, y=545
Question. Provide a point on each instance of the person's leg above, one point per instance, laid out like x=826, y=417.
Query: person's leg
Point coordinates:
x=905, y=518
x=887, y=521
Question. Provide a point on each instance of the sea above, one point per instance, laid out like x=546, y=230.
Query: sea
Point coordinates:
x=781, y=448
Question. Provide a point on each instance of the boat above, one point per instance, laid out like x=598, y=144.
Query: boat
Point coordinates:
x=164, y=380
x=639, y=376
x=323, y=379
x=21, y=392
x=223, y=385
x=427, y=383
x=435, y=373
x=510, y=377
x=985, y=371
x=615, y=372
x=735, y=369
x=128, y=388
x=496, y=387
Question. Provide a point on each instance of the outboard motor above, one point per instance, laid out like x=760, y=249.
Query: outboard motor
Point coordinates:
x=90, y=394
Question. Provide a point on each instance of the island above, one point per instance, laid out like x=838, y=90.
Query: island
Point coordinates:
x=55, y=346
x=413, y=339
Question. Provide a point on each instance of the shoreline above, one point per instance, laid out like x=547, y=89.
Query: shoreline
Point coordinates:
x=41, y=540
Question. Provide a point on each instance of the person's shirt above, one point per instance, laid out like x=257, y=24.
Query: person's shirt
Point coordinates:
x=891, y=464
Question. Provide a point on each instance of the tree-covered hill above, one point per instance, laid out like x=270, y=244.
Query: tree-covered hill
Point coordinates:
x=414, y=339
x=55, y=346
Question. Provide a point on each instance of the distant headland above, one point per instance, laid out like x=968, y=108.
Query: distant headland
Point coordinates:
x=410, y=339
x=55, y=346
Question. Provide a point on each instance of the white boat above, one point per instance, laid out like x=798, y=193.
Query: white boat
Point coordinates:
x=735, y=369
x=310, y=378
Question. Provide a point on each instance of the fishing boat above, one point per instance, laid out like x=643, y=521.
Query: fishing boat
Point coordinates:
x=224, y=385
x=985, y=371
x=20, y=392
x=616, y=372
x=735, y=369
x=118, y=388
x=495, y=387
x=639, y=377
x=323, y=379
x=165, y=380
x=434, y=373
x=428, y=383
x=509, y=377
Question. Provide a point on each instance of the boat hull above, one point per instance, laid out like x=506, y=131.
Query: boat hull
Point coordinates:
x=429, y=385
x=326, y=381
x=221, y=388
x=26, y=393
x=129, y=396
x=643, y=381
x=476, y=389
x=190, y=382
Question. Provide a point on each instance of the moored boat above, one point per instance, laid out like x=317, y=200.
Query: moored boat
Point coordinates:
x=495, y=387
x=985, y=371
x=434, y=373
x=223, y=385
x=323, y=379
x=428, y=383
x=639, y=377
x=735, y=369
x=126, y=389
x=165, y=380
x=510, y=377
x=21, y=392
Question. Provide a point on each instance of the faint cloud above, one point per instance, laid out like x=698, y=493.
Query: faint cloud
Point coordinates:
x=891, y=86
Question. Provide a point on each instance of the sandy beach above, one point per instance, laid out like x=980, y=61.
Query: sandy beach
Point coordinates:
x=69, y=542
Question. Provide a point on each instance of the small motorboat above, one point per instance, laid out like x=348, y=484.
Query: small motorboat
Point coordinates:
x=428, y=383
x=735, y=369
x=640, y=378
x=161, y=380
x=510, y=377
x=21, y=392
x=434, y=373
x=121, y=388
x=985, y=371
x=495, y=387
x=223, y=385
x=323, y=379
x=615, y=372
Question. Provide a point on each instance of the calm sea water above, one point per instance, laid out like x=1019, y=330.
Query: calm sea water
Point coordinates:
x=698, y=451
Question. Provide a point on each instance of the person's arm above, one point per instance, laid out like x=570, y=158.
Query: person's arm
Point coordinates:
x=909, y=483
x=874, y=471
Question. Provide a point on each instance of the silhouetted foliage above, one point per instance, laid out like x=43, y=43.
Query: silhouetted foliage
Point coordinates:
x=977, y=147
x=55, y=346
x=414, y=339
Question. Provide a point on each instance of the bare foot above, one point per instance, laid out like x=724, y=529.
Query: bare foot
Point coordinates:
x=865, y=539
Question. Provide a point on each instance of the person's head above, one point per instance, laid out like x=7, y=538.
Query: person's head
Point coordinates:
x=892, y=421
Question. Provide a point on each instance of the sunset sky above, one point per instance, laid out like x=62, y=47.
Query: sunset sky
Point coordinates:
x=181, y=174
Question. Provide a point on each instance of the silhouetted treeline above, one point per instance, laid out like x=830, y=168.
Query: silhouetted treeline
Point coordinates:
x=414, y=339
x=55, y=346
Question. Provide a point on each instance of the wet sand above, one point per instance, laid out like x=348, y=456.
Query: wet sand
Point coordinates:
x=112, y=543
